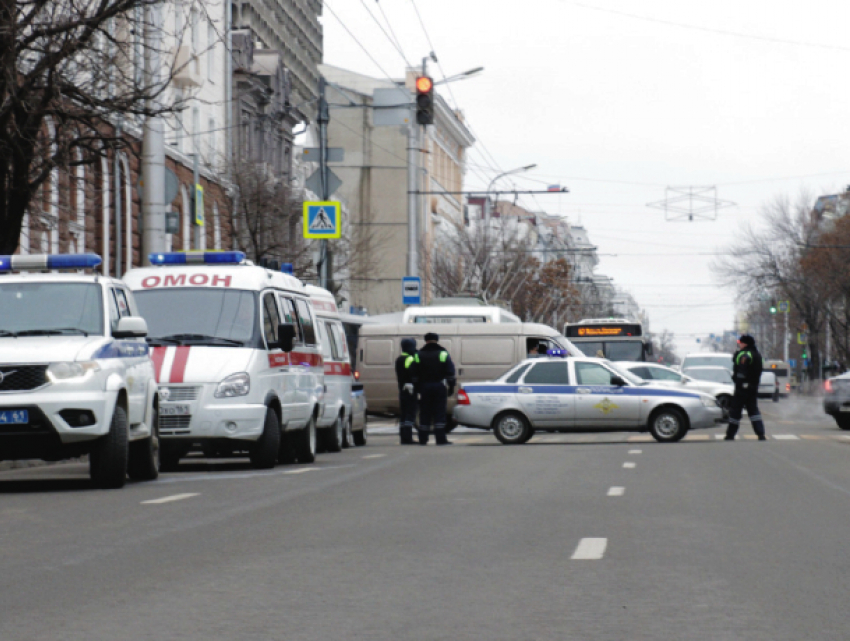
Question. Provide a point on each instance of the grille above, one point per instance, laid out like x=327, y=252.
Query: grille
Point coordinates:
x=20, y=378
x=181, y=393
x=172, y=425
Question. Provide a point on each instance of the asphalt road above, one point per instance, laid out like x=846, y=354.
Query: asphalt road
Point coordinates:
x=582, y=536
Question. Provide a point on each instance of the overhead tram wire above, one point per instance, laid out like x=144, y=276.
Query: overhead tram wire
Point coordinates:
x=360, y=44
x=393, y=42
x=392, y=31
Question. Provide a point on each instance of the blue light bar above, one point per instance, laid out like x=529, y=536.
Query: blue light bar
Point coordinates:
x=197, y=258
x=560, y=353
x=287, y=268
x=41, y=262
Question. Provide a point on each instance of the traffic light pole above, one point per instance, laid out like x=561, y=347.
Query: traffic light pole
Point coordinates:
x=323, y=119
x=412, y=197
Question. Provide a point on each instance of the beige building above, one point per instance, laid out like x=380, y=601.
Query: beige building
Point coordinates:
x=374, y=186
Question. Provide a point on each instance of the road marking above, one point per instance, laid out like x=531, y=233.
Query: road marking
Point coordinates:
x=374, y=456
x=749, y=437
x=786, y=437
x=719, y=436
x=590, y=550
x=812, y=437
x=300, y=470
x=639, y=439
x=697, y=437
x=628, y=465
x=616, y=491
x=635, y=451
x=169, y=499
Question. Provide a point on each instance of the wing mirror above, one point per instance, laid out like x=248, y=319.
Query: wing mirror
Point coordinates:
x=618, y=381
x=285, y=336
x=130, y=327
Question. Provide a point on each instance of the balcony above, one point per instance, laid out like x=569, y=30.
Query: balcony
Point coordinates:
x=187, y=68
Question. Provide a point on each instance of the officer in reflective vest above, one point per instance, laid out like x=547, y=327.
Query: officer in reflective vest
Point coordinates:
x=407, y=375
x=746, y=372
x=436, y=383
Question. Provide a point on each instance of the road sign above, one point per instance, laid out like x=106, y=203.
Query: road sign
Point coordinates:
x=199, y=205
x=784, y=306
x=314, y=154
x=391, y=107
x=172, y=186
x=802, y=338
x=314, y=183
x=792, y=362
x=411, y=290
x=322, y=220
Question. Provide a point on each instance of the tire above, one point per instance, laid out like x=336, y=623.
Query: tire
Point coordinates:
x=264, y=452
x=334, y=436
x=348, y=438
x=526, y=439
x=360, y=437
x=304, y=441
x=511, y=428
x=286, y=449
x=108, y=457
x=843, y=422
x=144, y=462
x=450, y=425
x=169, y=456
x=668, y=425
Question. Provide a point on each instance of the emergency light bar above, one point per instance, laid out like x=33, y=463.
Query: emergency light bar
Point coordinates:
x=40, y=262
x=197, y=258
x=287, y=268
x=560, y=353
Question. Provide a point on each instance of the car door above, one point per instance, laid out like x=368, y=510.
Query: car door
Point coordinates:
x=545, y=395
x=134, y=356
x=599, y=404
x=296, y=401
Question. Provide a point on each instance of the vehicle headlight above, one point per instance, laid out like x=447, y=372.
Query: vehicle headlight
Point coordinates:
x=708, y=401
x=234, y=385
x=66, y=371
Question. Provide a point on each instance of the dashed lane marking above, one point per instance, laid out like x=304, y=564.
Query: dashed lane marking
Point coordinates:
x=170, y=499
x=590, y=549
x=628, y=465
x=616, y=491
x=635, y=451
x=374, y=456
x=301, y=470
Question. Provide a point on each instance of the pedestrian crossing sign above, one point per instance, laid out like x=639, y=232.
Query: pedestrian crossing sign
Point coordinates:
x=322, y=220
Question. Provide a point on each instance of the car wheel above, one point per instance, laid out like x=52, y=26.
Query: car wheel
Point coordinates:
x=450, y=425
x=305, y=442
x=360, y=437
x=334, y=435
x=348, y=438
x=286, y=449
x=843, y=422
x=511, y=428
x=264, y=451
x=668, y=425
x=108, y=457
x=144, y=462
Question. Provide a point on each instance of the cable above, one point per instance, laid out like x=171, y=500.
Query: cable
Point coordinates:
x=384, y=31
x=392, y=31
x=360, y=44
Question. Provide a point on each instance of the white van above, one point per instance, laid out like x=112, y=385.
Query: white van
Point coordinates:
x=458, y=314
x=335, y=424
x=479, y=351
x=236, y=355
x=782, y=371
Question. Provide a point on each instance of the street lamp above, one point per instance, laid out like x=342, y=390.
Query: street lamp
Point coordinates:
x=487, y=193
x=460, y=76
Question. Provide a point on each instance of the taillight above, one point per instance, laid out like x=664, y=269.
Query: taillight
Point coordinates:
x=787, y=387
x=462, y=398
x=356, y=375
x=827, y=386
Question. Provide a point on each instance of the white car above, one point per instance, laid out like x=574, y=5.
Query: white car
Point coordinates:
x=768, y=384
x=581, y=395
x=661, y=375
x=707, y=359
x=75, y=371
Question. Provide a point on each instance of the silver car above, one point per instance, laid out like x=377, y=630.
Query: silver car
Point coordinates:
x=656, y=374
x=581, y=395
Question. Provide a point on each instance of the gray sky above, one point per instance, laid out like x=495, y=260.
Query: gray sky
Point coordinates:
x=617, y=100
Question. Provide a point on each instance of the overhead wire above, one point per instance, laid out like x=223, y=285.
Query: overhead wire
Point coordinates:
x=396, y=45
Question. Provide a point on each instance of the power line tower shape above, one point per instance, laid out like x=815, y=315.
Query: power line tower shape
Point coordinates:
x=691, y=203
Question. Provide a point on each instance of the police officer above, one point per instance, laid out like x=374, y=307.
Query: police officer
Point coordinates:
x=746, y=371
x=436, y=384
x=407, y=375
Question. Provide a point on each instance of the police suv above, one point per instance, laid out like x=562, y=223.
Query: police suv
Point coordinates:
x=75, y=372
x=572, y=394
x=236, y=355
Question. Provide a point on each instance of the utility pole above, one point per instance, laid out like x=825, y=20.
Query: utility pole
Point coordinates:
x=412, y=196
x=153, y=141
x=323, y=120
x=197, y=229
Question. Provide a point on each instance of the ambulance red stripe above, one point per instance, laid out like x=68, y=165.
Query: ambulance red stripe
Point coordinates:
x=337, y=369
x=178, y=368
x=158, y=356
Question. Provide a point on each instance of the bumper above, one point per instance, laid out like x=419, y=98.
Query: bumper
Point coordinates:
x=45, y=406
x=705, y=417
x=472, y=416
x=231, y=421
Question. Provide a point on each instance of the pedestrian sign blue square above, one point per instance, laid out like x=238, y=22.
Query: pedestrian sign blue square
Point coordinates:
x=322, y=220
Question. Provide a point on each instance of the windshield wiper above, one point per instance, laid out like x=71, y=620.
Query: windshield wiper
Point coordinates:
x=53, y=331
x=203, y=338
x=160, y=340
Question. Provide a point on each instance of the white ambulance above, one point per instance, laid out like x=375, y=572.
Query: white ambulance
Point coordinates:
x=76, y=376
x=335, y=423
x=236, y=354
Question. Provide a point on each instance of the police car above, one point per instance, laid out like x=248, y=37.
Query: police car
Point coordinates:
x=236, y=355
x=563, y=393
x=75, y=372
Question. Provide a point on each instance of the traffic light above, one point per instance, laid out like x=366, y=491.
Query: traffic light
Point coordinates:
x=424, y=100
x=805, y=354
x=773, y=308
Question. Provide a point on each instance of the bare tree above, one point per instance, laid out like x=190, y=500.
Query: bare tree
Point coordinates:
x=67, y=69
x=664, y=347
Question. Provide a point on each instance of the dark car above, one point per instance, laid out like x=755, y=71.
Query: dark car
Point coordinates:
x=836, y=399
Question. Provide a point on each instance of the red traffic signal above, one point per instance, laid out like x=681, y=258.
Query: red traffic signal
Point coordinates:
x=424, y=100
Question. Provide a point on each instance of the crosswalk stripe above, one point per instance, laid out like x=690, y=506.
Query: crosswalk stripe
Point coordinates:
x=628, y=465
x=786, y=437
x=590, y=549
x=697, y=437
x=639, y=439
x=170, y=499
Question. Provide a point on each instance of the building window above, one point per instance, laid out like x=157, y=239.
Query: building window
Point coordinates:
x=211, y=51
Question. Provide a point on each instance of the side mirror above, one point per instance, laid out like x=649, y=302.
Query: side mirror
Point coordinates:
x=618, y=381
x=130, y=327
x=285, y=336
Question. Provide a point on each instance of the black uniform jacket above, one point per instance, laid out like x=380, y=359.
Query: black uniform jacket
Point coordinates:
x=433, y=366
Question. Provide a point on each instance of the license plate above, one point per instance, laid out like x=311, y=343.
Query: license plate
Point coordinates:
x=14, y=417
x=174, y=410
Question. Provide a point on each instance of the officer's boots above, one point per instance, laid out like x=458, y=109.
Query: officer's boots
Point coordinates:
x=423, y=437
x=405, y=433
x=440, y=436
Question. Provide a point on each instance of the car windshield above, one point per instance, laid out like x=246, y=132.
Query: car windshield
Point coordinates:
x=624, y=350
x=714, y=374
x=626, y=374
x=711, y=361
x=43, y=309
x=197, y=315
